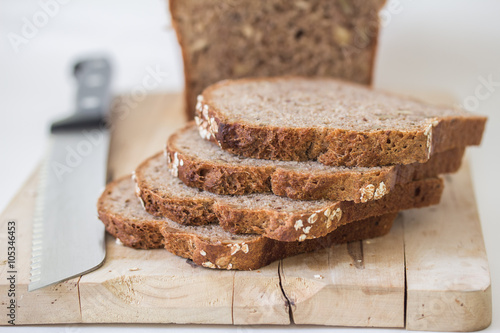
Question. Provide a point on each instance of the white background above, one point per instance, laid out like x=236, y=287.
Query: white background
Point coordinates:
x=426, y=47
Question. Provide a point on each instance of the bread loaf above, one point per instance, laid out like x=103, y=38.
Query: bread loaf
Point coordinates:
x=243, y=38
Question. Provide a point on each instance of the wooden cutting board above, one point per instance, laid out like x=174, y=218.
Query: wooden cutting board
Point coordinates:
x=429, y=273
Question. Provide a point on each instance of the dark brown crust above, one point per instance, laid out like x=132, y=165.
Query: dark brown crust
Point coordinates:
x=337, y=146
x=263, y=251
x=182, y=211
x=188, y=212
x=367, y=38
x=259, y=251
x=299, y=186
x=229, y=179
x=282, y=225
x=136, y=234
x=223, y=179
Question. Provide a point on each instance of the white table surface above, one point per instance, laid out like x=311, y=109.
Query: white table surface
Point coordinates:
x=439, y=47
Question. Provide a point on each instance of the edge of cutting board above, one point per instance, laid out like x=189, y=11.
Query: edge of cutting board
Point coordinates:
x=448, y=285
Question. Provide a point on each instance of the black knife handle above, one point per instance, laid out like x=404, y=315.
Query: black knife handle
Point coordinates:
x=93, y=98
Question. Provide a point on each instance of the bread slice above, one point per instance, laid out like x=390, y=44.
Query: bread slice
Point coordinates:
x=272, y=216
x=210, y=246
x=334, y=122
x=207, y=167
x=234, y=39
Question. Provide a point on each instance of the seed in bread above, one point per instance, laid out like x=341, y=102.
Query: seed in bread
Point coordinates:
x=223, y=40
x=209, y=245
x=272, y=216
x=206, y=166
x=331, y=121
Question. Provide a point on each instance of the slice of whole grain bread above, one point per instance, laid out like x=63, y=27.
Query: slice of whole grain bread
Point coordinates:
x=234, y=39
x=210, y=246
x=272, y=216
x=331, y=121
x=206, y=166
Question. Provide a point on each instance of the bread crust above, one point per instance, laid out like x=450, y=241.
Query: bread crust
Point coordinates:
x=258, y=251
x=334, y=146
x=262, y=251
x=284, y=225
x=182, y=211
x=225, y=178
x=139, y=234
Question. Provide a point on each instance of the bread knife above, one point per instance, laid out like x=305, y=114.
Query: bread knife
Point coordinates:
x=68, y=239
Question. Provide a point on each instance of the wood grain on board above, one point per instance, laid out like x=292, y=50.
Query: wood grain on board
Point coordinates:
x=438, y=250
x=447, y=273
x=363, y=281
x=56, y=304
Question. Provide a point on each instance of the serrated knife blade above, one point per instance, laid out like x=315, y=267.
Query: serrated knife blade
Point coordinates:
x=68, y=239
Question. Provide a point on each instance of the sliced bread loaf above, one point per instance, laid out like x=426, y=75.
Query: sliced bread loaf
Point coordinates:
x=334, y=122
x=201, y=164
x=210, y=246
x=234, y=39
x=272, y=216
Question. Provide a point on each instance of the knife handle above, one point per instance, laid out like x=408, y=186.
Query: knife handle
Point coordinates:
x=93, y=98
